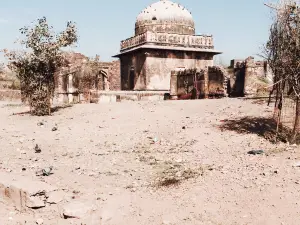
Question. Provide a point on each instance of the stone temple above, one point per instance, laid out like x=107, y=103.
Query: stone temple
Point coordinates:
x=165, y=40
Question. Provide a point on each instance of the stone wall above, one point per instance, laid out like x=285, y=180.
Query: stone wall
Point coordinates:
x=194, y=83
x=114, y=76
x=249, y=77
x=75, y=82
x=10, y=95
x=151, y=68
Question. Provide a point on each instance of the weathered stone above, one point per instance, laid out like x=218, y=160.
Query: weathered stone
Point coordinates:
x=56, y=197
x=39, y=221
x=36, y=202
x=77, y=209
x=23, y=192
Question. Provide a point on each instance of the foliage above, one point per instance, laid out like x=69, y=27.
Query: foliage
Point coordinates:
x=282, y=52
x=35, y=67
x=15, y=85
x=2, y=68
x=89, y=77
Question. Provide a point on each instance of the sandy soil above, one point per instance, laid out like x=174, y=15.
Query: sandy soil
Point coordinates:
x=114, y=154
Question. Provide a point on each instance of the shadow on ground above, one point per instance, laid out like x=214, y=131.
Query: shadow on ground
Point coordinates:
x=53, y=110
x=263, y=127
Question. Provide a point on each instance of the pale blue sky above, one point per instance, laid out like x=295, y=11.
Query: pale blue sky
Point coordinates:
x=239, y=27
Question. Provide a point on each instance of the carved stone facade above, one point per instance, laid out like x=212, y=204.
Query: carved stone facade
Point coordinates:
x=164, y=40
x=179, y=40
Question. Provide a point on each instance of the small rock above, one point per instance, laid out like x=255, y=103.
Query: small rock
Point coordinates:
x=37, y=149
x=54, y=129
x=40, y=124
x=256, y=152
x=45, y=172
x=183, y=128
x=35, y=203
x=133, y=189
x=39, y=221
x=23, y=152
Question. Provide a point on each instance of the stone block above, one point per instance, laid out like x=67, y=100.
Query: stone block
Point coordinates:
x=22, y=192
x=152, y=98
x=56, y=197
x=78, y=210
x=107, y=98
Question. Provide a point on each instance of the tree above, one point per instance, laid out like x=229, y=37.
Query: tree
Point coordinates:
x=36, y=66
x=2, y=67
x=282, y=52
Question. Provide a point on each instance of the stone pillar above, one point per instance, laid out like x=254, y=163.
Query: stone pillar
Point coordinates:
x=70, y=88
x=106, y=83
x=206, y=83
x=249, y=72
x=173, y=85
x=60, y=89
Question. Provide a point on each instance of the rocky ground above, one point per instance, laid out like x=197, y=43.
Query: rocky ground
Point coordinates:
x=173, y=162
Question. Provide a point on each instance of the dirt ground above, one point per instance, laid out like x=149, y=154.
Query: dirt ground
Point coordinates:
x=172, y=162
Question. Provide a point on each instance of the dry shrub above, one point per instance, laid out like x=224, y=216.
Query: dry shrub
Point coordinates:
x=173, y=173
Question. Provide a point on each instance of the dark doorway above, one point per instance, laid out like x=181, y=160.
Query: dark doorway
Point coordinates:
x=131, y=79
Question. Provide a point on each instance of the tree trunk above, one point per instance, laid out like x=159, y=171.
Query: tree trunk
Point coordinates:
x=296, y=129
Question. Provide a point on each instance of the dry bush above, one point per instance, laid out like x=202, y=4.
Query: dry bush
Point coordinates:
x=172, y=173
x=282, y=53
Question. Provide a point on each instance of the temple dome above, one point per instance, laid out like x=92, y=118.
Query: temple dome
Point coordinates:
x=165, y=17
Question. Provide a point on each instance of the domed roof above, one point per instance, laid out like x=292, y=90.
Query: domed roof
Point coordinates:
x=164, y=12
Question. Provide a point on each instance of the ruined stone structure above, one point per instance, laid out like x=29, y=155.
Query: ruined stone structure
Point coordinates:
x=164, y=41
x=195, y=84
x=249, y=76
x=75, y=82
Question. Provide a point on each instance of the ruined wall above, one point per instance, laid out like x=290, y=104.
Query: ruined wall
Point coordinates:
x=152, y=68
x=114, y=76
x=210, y=82
x=216, y=80
x=250, y=77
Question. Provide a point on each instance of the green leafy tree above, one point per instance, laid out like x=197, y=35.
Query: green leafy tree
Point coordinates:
x=35, y=67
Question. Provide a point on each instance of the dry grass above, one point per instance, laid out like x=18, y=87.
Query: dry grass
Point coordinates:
x=171, y=173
